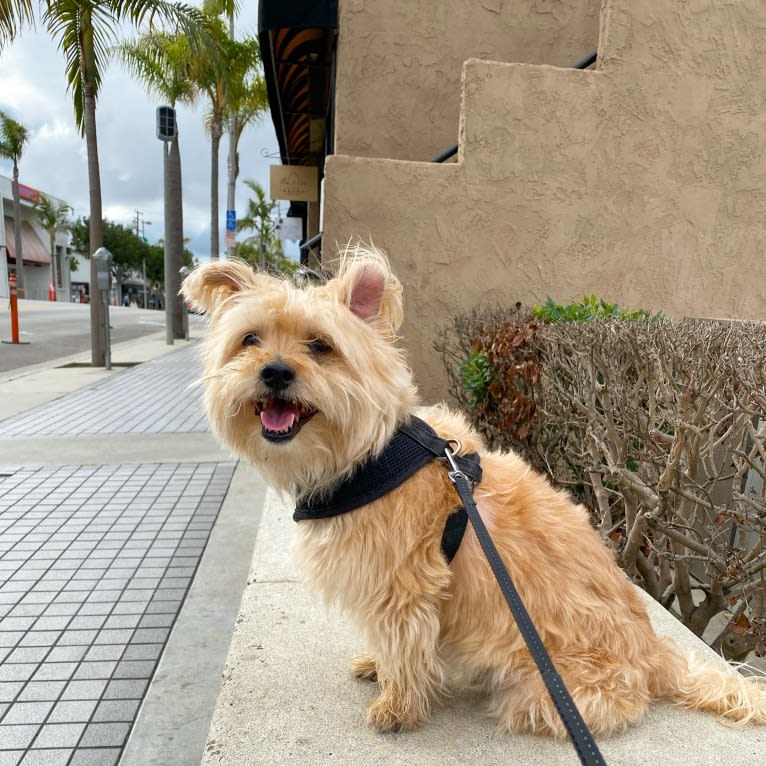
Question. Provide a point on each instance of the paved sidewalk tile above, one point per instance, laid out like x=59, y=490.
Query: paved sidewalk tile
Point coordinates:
x=157, y=397
x=95, y=562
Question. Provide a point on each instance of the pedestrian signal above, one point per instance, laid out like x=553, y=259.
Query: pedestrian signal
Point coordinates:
x=166, y=123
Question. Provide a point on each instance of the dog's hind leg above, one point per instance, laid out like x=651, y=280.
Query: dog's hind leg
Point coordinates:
x=608, y=699
x=364, y=666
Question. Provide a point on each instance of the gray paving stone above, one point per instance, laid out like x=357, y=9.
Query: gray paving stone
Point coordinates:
x=116, y=710
x=72, y=711
x=143, y=652
x=17, y=672
x=84, y=690
x=17, y=736
x=9, y=690
x=77, y=637
x=27, y=712
x=125, y=689
x=55, y=671
x=41, y=691
x=134, y=669
x=105, y=735
x=59, y=735
x=66, y=653
x=11, y=757
x=55, y=757
x=27, y=654
x=97, y=669
x=108, y=558
x=52, y=622
x=149, y=392
x=105, y=652
x=95, y=757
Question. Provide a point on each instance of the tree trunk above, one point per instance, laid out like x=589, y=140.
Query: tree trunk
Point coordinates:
x=96, y=226
x=216, y=131
x=174, y=241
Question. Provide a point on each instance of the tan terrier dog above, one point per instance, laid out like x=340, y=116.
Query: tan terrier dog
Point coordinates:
x=307, y=384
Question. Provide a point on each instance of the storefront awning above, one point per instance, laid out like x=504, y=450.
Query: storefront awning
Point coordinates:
x=33, y=249
x=297, y=39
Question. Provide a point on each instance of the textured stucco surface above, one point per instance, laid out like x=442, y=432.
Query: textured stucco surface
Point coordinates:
x=399, y=63
x=643, y=182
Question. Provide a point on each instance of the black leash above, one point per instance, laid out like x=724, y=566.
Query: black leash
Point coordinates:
x=582, y=739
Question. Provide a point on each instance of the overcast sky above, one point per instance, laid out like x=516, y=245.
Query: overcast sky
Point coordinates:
x=33, y=90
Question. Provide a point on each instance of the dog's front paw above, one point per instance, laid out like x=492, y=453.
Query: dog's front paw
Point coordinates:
x=364, y=667
x=387, y=713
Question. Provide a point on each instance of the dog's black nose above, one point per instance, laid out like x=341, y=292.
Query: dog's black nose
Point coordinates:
x=277, y=375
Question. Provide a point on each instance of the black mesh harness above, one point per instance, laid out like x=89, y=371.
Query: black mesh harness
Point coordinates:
x=414, y=445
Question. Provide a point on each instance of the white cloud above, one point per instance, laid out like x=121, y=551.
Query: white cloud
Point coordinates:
x=34, y=92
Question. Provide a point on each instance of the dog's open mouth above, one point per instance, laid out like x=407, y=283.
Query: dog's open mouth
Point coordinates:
x=281, y=419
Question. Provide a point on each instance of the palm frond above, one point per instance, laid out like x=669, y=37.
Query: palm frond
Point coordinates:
x=14, y=15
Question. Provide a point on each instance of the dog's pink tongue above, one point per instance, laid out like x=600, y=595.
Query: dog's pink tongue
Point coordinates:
x=279, y=415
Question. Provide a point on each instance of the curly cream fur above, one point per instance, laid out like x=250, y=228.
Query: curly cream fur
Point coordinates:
x=431, y=627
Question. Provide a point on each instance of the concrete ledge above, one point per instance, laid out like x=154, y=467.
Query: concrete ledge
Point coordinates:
x=287, y=697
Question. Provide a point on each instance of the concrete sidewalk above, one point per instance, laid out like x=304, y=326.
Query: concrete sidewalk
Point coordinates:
x=125, y=542
x=288, y=698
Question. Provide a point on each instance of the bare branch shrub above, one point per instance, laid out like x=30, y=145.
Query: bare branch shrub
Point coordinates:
x=659, y=428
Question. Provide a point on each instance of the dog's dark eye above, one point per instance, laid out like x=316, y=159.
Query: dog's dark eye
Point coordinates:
x=318, y=346
x=251, y=339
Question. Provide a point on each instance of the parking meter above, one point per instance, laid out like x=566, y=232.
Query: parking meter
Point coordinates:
x=103, y=268
x=103, y=259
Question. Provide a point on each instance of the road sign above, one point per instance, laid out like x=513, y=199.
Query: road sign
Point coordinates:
x=231, y=220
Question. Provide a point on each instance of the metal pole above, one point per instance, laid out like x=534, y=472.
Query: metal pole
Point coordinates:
x=14, y=306
x=107, y=344
x=231, y=247
x=143, y=277
x=168, y=261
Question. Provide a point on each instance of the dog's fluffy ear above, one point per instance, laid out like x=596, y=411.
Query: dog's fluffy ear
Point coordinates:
x=371, y=292
x=209, y=285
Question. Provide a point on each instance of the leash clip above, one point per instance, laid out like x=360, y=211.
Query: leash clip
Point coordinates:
x=455, y=473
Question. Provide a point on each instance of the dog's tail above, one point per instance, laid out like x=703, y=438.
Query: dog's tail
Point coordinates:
x=697, y=683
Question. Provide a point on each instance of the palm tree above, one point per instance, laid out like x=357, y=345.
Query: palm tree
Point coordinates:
x=258, y=218
x=246, y=107
x=163, y=62
x=219, y=73
x=246, y=99
x=84, y=30
x=13, y=136
x=54, y=218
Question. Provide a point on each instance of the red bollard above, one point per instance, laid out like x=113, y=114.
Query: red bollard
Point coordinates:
x=14, y=306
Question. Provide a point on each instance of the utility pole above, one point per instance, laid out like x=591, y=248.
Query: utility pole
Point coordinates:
x=139, y=222
x=231, y=213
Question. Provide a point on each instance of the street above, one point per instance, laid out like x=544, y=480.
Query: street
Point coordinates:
x=48, y=331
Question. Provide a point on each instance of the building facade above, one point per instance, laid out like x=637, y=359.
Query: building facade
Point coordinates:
x=42, y=269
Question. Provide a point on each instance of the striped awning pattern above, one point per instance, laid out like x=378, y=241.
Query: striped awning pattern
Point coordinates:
x=33, y=249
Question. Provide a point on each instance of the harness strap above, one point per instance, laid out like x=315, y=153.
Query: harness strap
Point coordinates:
x=414, y=445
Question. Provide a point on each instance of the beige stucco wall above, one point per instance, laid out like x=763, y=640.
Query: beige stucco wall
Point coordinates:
x=400, y=63
x=644, y=182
